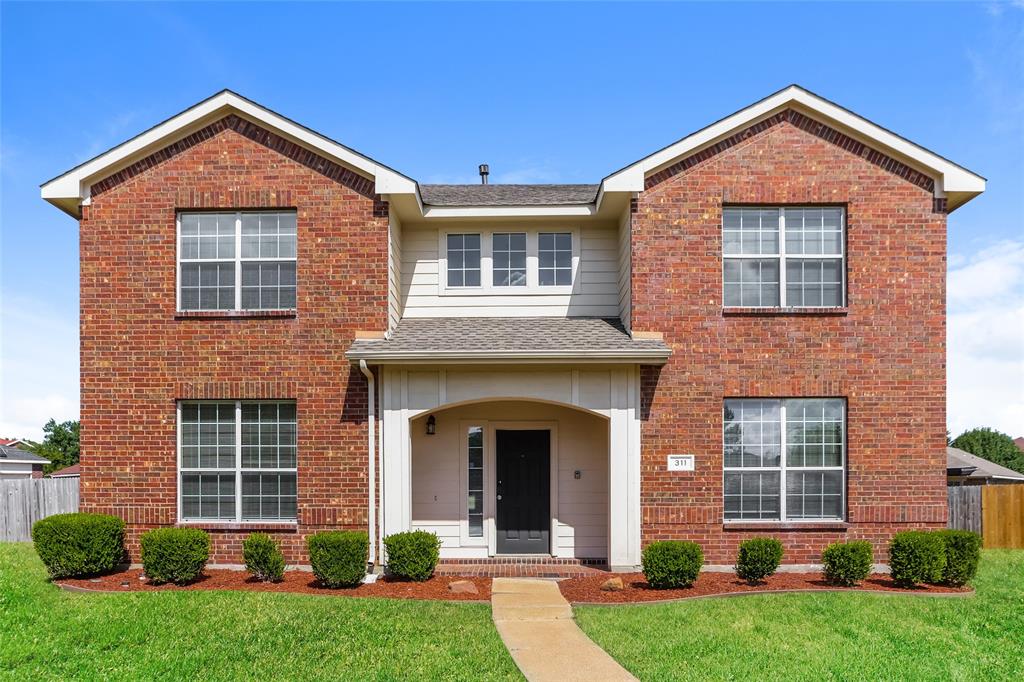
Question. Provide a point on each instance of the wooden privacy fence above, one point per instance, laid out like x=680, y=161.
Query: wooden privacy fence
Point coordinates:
x=25, y=501
x=995, y=511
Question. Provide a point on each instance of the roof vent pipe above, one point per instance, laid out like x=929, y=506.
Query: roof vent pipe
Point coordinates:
x=484, y=172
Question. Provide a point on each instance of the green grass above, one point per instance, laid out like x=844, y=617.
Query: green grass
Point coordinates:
x=826, y=636
x=49, y=634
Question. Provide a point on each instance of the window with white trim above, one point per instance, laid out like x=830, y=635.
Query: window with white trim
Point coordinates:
x=554, y=258
x=783, y=257
x=475, y=478
x=237, y=461
x=508, y=249
x=463, y=253
x=237, y=261
x=784, y=460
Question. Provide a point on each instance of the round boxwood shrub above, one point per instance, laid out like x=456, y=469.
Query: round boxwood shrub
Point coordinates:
x=263, y=558
x=413, y=554
x=963, y=552
x=672, y=563
x=917, y=557
x=339, y=558
x=78, y=545
x=758, y=558
x=174, y=555
x=847, y=563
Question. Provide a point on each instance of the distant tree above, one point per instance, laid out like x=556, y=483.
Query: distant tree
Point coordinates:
x=59, y=445
x=992, y=445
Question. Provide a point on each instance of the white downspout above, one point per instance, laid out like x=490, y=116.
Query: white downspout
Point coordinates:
x=371, y=418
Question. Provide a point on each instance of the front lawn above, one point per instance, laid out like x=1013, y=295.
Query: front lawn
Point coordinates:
x=844, y=636
x=46, y=633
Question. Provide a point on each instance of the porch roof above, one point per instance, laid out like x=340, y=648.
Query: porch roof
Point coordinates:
x=544, y=339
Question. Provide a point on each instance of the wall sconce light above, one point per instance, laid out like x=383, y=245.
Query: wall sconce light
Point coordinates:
x=431, y=425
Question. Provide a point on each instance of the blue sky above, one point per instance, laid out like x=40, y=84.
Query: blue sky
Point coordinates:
x=543, y=93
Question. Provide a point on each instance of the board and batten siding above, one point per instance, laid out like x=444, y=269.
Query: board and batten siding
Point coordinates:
x=596, y=291
x=582, y=445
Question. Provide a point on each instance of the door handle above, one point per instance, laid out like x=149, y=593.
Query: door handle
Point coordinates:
x=499, y=497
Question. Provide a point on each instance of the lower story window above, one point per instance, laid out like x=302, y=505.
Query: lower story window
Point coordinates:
x=237, y=461
x=475, y=488
x=784, y=460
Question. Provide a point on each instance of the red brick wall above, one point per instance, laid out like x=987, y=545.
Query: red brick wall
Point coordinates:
x=885, y=355
x=138, y=358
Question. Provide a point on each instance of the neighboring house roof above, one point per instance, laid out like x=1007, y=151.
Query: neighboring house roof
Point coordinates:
x=512, y=338
x=962, y=463
x=67, y=472
x=1019, y=442
x=16, y=456
x=508, y=195
x=12, y=442
x=951, y=181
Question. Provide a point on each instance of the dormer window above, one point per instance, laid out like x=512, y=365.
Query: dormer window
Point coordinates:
x=463, y=260
x=508, y=251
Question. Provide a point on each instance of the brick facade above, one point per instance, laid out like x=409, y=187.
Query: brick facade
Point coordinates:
x=138, y=357
x=884, y=353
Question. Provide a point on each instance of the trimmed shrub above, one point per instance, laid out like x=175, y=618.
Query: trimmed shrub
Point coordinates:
x=672, y=563
x=758, y=558
x=847, y=563
x=263, y=558
x=963, y=552
x=917, y=557
x=413, y=554
x=78, y=545
x=174, y=555
x=339, y=557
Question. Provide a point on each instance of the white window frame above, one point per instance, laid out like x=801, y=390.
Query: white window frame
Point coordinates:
x=487, y=288
x=238, y=260
x=465, y=539
x=783, y=466
x=238, y=470
x=782, y=257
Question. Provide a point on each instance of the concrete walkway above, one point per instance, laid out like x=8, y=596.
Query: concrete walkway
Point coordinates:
x=535, y=622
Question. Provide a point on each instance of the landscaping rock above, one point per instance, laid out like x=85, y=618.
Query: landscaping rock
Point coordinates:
x=462, y=587
x=613, y=585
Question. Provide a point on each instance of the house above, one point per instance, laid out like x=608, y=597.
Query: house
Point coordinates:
x=73, y=471
x=16, y=463
x=740, y=334
x=963, y=468
x=12, y=442
x=1019, y=442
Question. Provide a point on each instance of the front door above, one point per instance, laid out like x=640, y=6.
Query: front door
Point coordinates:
x=523, y=491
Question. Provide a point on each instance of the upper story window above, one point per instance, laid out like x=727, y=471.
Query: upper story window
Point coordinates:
x=463, y=260
x=784, y=460
x=513, y=262
x=237, y=261
x=783, y=257
x=508, y=251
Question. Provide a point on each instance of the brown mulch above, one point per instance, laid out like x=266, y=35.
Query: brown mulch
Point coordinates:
x=588, y=589
x=300, y=582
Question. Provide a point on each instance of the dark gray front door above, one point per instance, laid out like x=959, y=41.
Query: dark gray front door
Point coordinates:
x=523, y=491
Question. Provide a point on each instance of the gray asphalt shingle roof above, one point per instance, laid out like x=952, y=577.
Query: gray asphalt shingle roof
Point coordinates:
x=961, y=459
x=454, y=337
x=14, y=454
x=507, y=195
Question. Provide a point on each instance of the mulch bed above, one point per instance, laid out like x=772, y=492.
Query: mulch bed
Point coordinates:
x=588, y=589
x=301, y=582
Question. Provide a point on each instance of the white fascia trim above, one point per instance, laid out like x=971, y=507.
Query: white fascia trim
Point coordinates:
x=468, y=357
x=74, y=184
x=950, y=178
x=576, y=210
x=11, y=460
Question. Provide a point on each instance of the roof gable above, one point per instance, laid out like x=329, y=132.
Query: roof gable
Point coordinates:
x=950, y=181
x=73, y=188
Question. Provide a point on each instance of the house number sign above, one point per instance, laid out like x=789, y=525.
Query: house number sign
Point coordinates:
x=680, y=462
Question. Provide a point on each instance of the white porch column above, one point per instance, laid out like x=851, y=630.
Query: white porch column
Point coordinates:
x=624, y=471
x=397, y=466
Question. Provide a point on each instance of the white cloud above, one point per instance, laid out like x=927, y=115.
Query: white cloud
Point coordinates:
x=38, y=366
x=985, y=356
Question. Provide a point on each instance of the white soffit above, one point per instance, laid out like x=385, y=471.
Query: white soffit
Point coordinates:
x=952, y=181
x=71, y=189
